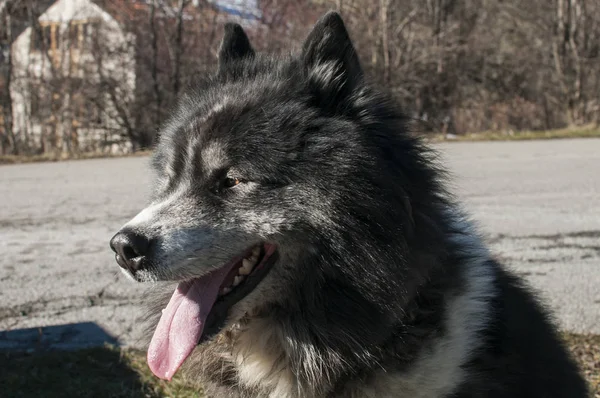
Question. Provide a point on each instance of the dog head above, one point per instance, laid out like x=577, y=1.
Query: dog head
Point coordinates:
x=252, y=158
x=266, y=175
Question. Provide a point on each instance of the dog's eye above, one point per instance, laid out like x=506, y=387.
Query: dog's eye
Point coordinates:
x=230, y=182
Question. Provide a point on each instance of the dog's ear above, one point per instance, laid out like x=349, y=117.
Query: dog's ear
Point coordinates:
x=330, y=57
x=235, y=45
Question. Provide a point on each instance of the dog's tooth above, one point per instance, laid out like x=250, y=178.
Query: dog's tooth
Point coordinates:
x=246, y=267
x=244, y=271
x=237, y=280
x=226, y=290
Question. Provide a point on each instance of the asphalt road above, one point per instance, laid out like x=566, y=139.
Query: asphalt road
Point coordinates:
x=537, y=203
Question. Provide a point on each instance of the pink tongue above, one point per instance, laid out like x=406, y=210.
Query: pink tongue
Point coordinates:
x=182, y=322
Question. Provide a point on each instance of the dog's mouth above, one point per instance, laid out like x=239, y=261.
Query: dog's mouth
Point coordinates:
x=198, y=308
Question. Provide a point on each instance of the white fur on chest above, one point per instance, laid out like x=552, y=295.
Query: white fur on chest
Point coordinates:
x=261, y=360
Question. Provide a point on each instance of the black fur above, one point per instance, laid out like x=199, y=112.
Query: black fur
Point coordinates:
x=235, y=45
x=375, y=233
x=523, y=348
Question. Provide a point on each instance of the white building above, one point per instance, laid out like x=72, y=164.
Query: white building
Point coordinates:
x=81, y=61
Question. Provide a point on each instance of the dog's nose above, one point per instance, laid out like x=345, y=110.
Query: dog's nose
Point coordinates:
x=131, y=249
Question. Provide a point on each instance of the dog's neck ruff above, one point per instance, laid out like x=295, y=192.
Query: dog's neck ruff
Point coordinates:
x=263, y=365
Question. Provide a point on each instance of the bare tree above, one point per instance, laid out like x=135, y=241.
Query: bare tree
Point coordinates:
x=154, y=64
x=8, y=141
x=178, y=45
x=456, y=65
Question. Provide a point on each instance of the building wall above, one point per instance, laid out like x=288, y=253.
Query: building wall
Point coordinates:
x=86, y=48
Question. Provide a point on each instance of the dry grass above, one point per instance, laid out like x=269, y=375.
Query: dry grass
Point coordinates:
x=580, y=132
x=13, y=159
x=113, y=372
x=97, y=372
x=589, y=131
x=586, y=351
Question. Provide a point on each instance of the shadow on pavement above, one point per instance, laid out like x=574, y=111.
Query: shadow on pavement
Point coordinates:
x=61, y=337
x=75, y=360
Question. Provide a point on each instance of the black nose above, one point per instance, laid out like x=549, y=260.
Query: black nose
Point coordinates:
x=131, y=249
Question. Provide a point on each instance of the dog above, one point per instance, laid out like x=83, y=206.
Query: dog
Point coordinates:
x=312, y=250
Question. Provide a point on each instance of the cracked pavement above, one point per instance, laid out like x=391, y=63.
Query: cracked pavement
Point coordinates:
x=538, y=205
x=536, y=202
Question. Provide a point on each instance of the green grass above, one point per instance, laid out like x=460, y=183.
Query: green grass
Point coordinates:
x=589, y=131
x=113, y=372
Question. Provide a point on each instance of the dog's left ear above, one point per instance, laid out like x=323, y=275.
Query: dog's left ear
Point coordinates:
x=330, y=57
x=235, y=45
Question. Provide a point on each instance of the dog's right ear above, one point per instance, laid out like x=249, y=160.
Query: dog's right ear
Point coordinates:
x=235, y=45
